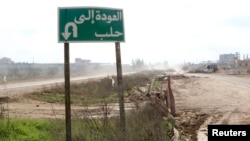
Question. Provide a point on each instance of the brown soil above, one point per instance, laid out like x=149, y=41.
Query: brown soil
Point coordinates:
x=197, y=100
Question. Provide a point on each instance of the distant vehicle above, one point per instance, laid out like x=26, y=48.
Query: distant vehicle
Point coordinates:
x=212, y=67
x=161, y=77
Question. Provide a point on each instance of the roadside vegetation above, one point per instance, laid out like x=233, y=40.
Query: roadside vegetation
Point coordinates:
x=94, y=92
x=24, y=130
x=142, y=124
x=139, y=128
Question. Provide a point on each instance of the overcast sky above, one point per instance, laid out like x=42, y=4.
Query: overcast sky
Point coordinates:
x=176, y=31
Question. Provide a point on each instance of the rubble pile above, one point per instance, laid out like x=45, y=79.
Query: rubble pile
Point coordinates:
x=156, y=99
x=159, y=97
x=157, y=93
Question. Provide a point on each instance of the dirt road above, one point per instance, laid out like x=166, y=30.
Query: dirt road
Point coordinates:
x=225, y=98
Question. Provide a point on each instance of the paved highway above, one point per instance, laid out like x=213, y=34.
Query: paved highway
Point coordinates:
x=10, y=89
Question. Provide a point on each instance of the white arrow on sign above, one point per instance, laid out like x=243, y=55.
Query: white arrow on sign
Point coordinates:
x=66, y=32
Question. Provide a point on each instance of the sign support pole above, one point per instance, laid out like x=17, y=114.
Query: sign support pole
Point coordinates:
x=67, y=91
x=120, y=85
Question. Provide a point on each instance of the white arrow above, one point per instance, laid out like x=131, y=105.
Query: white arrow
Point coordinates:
x=66, y=32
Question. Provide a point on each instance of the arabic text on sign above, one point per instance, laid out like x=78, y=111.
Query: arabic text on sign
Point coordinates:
x=98, y=16
x=111, y=34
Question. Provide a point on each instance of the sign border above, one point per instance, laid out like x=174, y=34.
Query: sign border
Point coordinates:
x=77, y=7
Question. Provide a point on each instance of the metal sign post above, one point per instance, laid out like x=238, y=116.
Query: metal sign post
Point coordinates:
x=91, y=24
x=67, y=90
x=120, y=85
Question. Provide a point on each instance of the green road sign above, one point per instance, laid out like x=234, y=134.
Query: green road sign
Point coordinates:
x=80, y=24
